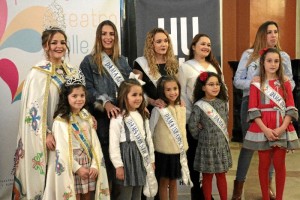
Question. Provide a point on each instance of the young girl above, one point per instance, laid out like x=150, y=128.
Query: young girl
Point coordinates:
x=130, y=144
x=271, y=109
x=169, y=138
x=76, y=167
x=208, y=124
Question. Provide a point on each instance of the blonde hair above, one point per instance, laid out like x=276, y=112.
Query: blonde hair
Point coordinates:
x=149, y=53
x=98, y=47
x=260, y=41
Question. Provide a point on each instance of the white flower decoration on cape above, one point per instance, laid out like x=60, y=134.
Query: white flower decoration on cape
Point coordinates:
x=136, y=76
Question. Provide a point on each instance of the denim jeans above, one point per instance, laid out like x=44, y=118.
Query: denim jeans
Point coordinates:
x=245, y=156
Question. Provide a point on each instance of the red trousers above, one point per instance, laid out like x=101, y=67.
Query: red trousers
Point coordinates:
x=277, y=155
x=221, y=184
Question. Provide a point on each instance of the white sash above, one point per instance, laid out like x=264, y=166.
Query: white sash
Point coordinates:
x=173, y=127
x=193, y=63
x=112, y=69
x=151, y=187
x=144, y=65
x=214, y=116
x=272, y=94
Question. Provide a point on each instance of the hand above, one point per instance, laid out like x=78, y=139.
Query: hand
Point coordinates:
x=83, y=173
x=111, y=110
x=285, y=78
x=182, y=103
x=93, y=173
x=120, y=173
x=94, y=123
x=50, y=142
x=255, y=79
x=270, y=134
x=279, y=131
x=157, y=103
x=153, y=166
x=200, y=126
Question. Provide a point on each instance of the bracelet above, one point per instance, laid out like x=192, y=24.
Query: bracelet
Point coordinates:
x=48, y=131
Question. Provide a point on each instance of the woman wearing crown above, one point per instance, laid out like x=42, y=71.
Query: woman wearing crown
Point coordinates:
x=40, y=96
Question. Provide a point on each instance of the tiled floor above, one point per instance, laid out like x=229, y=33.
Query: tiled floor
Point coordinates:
x=252, y=187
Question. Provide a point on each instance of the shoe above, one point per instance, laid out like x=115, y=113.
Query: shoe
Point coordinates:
x=237, y=190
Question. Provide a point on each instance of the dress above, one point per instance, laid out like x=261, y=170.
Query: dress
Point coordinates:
x=62, y=164
x=40, y=96
x=213, y=152
x=263, y=107
x=128, y=155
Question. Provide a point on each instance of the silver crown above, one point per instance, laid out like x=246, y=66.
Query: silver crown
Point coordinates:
x=54, y=17
x=76, y=78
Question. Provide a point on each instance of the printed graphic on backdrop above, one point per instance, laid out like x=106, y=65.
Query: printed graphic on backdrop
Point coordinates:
x=21, y=25
x=182, y=19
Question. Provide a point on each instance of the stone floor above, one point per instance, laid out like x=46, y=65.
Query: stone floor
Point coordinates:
x=252, y=187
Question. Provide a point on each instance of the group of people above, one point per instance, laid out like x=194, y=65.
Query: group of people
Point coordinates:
x=113, y=131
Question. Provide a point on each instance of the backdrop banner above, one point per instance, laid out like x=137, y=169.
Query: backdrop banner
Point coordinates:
x=182, y=19
x=21, y=25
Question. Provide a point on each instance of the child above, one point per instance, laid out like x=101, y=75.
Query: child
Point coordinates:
x=76, y=167
x=208, y=124
x=169, y=138
x=130, y=144
x=271, y=108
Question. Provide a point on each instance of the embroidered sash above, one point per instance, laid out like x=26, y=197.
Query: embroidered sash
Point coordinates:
x=175, y=132
x=144, y=65
x=214, y=116
x=112, y=69
x=81, y=137
x=151, y=187
x=271, y=94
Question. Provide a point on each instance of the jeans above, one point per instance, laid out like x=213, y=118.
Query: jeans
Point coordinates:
x=246, y=154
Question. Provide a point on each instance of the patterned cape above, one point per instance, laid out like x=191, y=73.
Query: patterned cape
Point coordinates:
x=60, y=179
x=39, y=99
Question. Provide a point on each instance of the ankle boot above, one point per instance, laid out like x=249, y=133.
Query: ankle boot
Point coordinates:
x=271, y=191
x=237, y=190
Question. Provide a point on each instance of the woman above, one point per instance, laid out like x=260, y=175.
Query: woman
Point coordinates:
x=201, y=59
x=158, y=60
x=104, y=70
x=248, y=69
x=40, y=96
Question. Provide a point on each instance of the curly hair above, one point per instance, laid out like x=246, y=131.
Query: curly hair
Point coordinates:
x=261, y=40
x=161, y=88
x=98, y=46
x=63, y=108
x=199, y=93
x=279, y=72
x=122, y=100
x=149, y=53
x=47, y=36
x=210, y=58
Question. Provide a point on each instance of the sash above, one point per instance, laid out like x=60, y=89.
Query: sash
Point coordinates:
x=112, y=69
x=193, y=63
x=144, y=65
x=81, y=137
x=175, y=132
x=272, y=94
x=151, y=187
x=214, y=116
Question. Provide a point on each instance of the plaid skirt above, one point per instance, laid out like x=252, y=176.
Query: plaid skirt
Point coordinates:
x=83, y=186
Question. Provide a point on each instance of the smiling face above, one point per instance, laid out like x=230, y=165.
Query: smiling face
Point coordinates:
x=272, y=36
x=212, y=88
x=202, y=48
x=108, y=38
x=171, y=91
x=134, y=98
x=271, y=63
x=76, y=99
x=160, y=43
x=56, y=48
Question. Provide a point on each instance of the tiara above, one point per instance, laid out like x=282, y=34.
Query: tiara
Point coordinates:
x=54, y=18
x=75, y=79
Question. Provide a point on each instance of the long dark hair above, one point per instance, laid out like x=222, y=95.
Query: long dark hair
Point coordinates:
x=161, y=88
x=210, y=58
x=123, y=91
x=279, y=72
x=199, y=93
x=63, y=108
